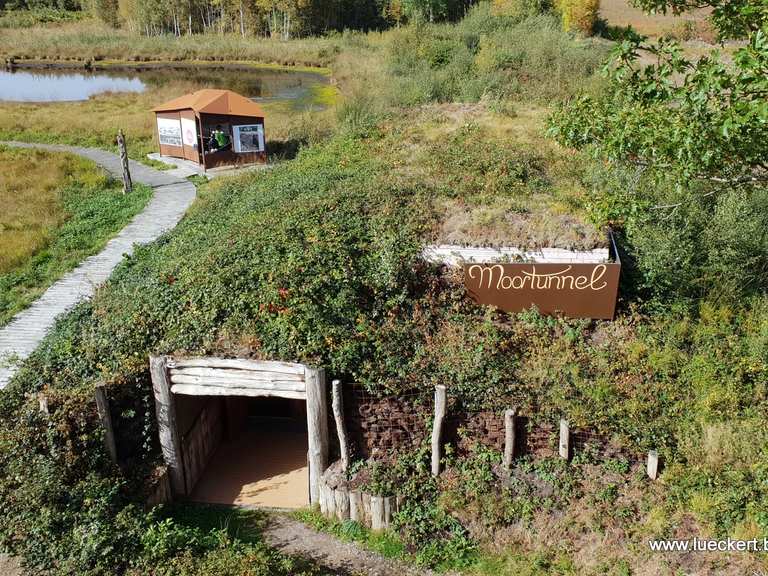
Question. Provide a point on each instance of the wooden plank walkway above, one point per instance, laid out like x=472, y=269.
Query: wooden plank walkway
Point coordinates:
x=172, y=196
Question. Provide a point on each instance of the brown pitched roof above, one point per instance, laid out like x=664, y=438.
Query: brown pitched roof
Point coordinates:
x=211, y=101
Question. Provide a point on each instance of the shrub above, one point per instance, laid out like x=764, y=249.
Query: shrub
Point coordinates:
x=519, y=10
x=579, y=15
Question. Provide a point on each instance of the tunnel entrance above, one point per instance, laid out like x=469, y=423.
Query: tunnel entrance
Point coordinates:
x=261, y=459
x=240, y=431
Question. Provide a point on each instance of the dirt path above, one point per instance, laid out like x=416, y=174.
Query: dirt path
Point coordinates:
x=9, y=566
x=343, y=558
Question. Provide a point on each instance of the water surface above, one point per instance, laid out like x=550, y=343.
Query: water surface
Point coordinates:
x=62, y=85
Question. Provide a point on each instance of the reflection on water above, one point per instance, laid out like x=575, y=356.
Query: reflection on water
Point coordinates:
x=33, y=86
x=69, y=85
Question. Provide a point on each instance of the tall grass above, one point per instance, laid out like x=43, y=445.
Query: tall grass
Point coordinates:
x=486, y=56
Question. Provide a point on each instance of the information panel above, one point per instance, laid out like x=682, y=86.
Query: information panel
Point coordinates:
x=169, y=131
x=248, y=138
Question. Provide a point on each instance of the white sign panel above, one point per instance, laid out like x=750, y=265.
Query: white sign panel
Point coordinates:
x=249, y=138
x=169, y=131
x=189, y=132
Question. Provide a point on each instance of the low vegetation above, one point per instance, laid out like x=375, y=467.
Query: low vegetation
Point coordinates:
x=58, y=209
x=440, y=136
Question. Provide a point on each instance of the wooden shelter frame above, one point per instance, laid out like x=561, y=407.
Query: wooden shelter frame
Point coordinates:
x=212, y=376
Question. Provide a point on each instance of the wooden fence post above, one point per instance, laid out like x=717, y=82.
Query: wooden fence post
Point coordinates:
x=437, y=427
x=565, y=439
x=102, y=404
x=123, y=149
x=652, y=466
x=509, y=438
x=341, y=430
x=165, y=407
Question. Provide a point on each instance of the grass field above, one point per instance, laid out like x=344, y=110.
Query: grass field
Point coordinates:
x=57, y=210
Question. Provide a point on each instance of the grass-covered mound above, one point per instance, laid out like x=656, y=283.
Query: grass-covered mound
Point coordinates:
x=318, y=261
x=58, y=209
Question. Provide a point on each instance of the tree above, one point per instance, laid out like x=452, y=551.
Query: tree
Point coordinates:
x=683, y=150
x=704, y=119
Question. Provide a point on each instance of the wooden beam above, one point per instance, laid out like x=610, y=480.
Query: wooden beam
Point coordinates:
x=239, y=373
x=509, y=438
x=165, y=407
x=218, y=390
x=236, y=382
x=341, y=429
x=437, y=427
x=317, y=429
x=255, y=365
x=105, y=415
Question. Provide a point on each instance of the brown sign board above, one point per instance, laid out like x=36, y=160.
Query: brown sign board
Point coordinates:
x=574, y=290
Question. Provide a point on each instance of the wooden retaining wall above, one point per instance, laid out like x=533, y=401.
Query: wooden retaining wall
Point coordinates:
x=374, y=512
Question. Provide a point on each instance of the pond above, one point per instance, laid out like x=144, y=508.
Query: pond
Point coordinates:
x=62, y=85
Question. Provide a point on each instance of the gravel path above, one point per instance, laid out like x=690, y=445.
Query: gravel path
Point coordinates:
x=343, y=558
x=172, y=196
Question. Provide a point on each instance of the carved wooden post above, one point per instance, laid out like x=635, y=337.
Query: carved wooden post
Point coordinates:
x=509, y=438
x=317, y=429
x=565, y=439
x=123, y=149
x=437, y=427
x=341, y=430
x=102, y=405
x=170, y=443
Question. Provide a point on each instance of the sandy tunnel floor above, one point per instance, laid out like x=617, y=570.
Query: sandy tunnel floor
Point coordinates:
x=265, y=465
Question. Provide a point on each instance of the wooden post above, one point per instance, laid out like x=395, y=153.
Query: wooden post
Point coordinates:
x=102, y=405
x=377, y=513
x=330, y=500
x=509, y=438
x=42, y=402
x=565, y=434
x=165, y=407
x=652, y=467
x=356, y=513
x=341, y=430
x=317, y=429
x=123, y=149
x=437, y=427
x=388, y=505
x=342, y=503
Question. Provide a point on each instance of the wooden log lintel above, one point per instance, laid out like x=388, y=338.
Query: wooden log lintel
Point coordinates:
x=239, y=363
x=202, y=390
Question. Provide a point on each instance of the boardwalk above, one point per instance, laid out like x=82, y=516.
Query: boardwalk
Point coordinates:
x=172, y=196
